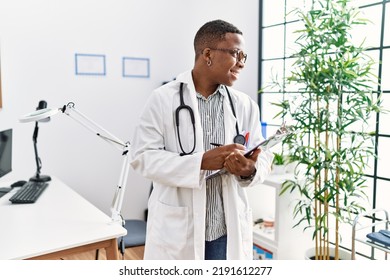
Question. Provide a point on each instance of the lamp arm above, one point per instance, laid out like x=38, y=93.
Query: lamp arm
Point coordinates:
x=71, y=111
x=116, y=205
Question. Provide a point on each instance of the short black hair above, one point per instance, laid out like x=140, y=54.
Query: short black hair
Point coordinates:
x=211, y=33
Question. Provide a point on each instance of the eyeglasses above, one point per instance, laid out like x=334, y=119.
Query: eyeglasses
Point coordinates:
x=239, y=55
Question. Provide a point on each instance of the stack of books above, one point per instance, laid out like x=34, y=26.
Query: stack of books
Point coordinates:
x=382, y=237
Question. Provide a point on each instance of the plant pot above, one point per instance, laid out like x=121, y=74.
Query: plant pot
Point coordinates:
x=278, y=169
x=290, y=167
x=343, y=255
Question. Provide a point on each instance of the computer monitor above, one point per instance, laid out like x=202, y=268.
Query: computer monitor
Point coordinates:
x=5, y=152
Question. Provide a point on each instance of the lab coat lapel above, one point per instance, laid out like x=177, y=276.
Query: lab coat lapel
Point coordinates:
x=186, y=130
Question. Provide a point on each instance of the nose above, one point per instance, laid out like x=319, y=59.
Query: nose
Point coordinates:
x=240, y=64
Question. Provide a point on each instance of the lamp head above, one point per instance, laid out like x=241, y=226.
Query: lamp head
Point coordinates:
x=39, y=115
x=43, y=105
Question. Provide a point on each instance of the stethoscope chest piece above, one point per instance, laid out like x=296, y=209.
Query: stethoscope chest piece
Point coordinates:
x=239, y=139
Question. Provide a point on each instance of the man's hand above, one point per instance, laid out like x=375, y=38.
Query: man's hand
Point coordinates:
x=236, y=163
x=214, y=159
x=231, y=157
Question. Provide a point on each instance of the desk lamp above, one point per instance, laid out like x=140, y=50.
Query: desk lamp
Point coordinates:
x=71, y=111
x=38, y=177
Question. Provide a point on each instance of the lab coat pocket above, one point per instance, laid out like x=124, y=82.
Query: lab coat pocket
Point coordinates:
x=172, y=229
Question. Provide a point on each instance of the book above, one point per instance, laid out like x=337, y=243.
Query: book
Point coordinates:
x=385, y=232
x=380, y=237
x=268, y=143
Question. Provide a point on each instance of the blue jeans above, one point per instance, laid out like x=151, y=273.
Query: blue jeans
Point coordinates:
x=216, y=249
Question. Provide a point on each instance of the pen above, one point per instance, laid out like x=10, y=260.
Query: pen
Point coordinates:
x=216, y=144
x=247, y=139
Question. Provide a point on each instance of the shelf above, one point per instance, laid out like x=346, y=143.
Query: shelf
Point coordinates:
x=375, y=245
x=276, y=180
x=264, y=242
x=268, y=236
x=266, y=202
x=359, y=226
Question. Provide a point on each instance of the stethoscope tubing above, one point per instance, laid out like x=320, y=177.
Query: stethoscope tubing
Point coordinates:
x=239, y=138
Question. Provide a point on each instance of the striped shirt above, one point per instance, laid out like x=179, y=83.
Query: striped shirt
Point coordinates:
x=212, y=119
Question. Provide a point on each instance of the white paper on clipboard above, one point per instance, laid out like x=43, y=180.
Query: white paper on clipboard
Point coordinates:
x=268, y=143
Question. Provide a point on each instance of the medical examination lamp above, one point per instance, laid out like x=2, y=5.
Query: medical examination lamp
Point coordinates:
x=70, y=110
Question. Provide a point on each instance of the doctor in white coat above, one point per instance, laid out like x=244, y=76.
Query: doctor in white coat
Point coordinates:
x=171, y=147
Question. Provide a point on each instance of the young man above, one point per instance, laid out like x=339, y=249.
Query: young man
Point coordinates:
x=191, y=127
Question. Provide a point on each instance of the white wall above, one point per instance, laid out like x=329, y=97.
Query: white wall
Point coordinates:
x=39, y=40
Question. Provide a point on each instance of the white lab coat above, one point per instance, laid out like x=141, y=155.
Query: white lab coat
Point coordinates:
x=176, y=217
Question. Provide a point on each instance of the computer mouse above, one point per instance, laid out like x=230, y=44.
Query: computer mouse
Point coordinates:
x=18, y=183
x=4, y=190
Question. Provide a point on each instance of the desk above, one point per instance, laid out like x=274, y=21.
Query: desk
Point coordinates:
x=59, y=223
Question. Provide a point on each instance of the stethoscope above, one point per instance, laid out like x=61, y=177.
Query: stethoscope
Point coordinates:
x=238, y=139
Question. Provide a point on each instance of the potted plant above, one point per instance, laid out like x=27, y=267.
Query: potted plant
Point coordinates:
x=279, y=164
x=329, y=115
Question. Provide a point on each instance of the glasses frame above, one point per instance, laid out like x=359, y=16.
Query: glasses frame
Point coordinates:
x=238, y=54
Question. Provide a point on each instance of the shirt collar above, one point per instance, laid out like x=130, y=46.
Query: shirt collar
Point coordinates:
x=220, y=89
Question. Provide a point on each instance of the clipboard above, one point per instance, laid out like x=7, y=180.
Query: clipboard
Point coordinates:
x=268, y=143
x=273, y=140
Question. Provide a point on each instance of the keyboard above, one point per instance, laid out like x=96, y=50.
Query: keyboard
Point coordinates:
x=29, y=192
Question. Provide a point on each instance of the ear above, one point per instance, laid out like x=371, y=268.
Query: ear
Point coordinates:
x=206, y=54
